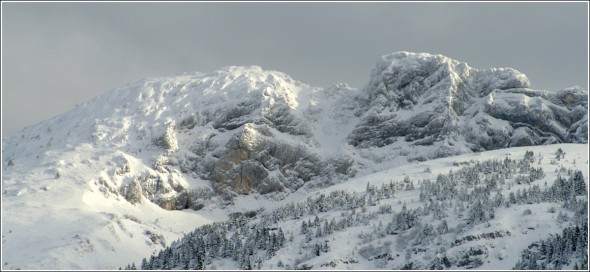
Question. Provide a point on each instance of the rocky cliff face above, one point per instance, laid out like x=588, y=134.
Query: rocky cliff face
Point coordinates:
x=179, y=141
x=430, y=100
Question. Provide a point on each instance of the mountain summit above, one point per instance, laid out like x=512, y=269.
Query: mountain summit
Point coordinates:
x=431, y=100
x=246, y=130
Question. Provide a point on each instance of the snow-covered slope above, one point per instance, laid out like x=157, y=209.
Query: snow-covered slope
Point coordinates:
x=471, y=211
x=123, y=174
x=63, y=224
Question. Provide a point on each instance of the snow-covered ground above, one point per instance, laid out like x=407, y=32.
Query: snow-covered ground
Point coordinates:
x=67, y=223
x=103, y=185
x=503, y=253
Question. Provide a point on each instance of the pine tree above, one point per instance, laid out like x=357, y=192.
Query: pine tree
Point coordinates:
x=246, y=264
x=318, y=232
x=303, y=227
x=326, y=246
x=281, y=238
x=144, y=265
x=316, y=249
x=559, y=154
x=511, y=198
x=579, y=184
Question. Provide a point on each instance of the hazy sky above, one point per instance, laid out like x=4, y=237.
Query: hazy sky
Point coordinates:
x=56, y=55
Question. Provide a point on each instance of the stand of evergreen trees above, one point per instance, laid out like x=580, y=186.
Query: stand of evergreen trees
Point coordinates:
x=566, y=251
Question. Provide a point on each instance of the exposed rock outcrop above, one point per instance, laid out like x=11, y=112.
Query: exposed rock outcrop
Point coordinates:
x=431, y=100
x=244, y=130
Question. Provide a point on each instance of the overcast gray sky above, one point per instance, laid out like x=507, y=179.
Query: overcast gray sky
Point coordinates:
x=56, y=55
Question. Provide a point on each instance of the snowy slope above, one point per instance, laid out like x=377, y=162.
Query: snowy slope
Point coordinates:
x=56, y=224
x=366, y=244
x=124, y=174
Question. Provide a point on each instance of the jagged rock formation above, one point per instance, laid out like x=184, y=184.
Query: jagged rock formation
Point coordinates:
x=244, y=130
x=431, y=100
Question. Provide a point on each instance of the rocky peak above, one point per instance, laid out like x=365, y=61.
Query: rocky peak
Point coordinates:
x=432, y=101
x=399, y=80
x=248, y=130
x=403, y=80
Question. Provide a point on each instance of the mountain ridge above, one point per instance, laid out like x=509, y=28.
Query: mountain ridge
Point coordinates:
x=246, y=124
x=199, y=144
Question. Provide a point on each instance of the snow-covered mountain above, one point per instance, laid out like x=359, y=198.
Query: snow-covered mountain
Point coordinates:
x=161, y=156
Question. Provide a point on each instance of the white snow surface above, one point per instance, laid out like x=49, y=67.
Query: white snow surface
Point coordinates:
x=61, y=207
x=67, y=223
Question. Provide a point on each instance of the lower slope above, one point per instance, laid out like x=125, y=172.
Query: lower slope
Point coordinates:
x=63, y=220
